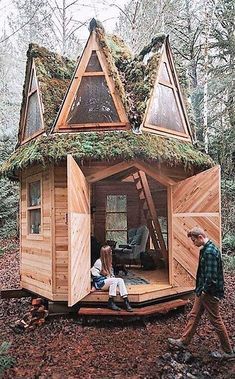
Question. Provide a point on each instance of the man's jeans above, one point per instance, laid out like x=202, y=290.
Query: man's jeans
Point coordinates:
x=211, y=305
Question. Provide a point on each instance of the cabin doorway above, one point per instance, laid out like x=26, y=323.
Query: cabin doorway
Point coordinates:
x=108, y=205
x=180, y=204
x=129, y=211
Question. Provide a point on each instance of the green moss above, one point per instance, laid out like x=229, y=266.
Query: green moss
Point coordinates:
x=53, y=74
x=111, y=65
x=120, y=52
x=155, y=44
x=107, y=146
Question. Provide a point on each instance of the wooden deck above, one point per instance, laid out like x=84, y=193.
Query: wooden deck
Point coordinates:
x=157, y=288
x=161, y=308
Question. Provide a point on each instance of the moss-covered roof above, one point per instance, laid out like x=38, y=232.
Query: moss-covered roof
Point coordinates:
x=107, y=146
x=136, y=74
x=134, y=78
x=54, y=73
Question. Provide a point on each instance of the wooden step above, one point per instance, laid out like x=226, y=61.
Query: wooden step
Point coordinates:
x=161, y=308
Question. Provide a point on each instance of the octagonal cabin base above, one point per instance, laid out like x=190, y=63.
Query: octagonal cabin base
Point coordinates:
x=63, y=205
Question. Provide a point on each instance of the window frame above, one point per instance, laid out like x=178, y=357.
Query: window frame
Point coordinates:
x=29, y=180
x=29, y=94
x=176, y=93
x=61, y=124
x=116, y=212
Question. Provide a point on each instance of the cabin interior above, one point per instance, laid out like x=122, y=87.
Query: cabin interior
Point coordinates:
x=118, y=206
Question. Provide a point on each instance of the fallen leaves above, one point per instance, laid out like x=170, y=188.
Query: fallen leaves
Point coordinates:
x=62, y=348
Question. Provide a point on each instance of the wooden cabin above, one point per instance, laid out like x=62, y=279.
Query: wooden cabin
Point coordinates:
x=105, y=146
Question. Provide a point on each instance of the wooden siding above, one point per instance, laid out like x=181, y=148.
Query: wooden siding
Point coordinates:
x=61, y=232
x=36, y=250
x=79, y=233
x=195, y=202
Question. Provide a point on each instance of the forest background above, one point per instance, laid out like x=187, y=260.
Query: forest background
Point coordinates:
x=202, y=36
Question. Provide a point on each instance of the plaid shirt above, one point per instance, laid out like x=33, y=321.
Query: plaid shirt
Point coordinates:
x=210, y=278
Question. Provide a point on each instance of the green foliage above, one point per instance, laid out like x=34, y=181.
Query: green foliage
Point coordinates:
x=9, y=199
x=9, y=195
x=229, y=262
x=6, y=361
x=229, y=244
x=228, y=209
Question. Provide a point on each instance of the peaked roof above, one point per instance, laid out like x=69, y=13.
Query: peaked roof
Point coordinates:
x=166, y=113
x=53, y=74
x=134, y=79
x=93, y=99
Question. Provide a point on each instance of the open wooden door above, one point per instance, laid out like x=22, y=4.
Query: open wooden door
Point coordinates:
x=78, y=233
x=194, y=202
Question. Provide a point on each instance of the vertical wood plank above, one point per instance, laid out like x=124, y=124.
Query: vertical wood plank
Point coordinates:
x=78, y=233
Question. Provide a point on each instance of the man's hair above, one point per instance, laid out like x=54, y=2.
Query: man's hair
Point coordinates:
x=195, y=232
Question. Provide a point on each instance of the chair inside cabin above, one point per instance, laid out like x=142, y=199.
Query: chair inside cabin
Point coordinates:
x=129, y=253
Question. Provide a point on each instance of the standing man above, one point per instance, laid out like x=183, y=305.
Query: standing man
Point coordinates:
x=209, y=290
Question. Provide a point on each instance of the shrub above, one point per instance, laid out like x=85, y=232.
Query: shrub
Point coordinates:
x=6, y=361
x=229, y=244
x=229, y=262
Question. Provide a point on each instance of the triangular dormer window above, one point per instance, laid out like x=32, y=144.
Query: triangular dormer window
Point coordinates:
x=32, y=119
x=166, y=114
x=92, y=101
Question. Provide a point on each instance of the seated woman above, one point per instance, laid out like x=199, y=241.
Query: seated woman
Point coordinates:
x=103, y=278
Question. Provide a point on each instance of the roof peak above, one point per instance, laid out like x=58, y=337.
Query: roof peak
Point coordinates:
x=95, y=24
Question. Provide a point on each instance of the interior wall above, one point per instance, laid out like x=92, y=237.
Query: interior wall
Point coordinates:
x=159, y=194
x=135, y=216
x=100, y=190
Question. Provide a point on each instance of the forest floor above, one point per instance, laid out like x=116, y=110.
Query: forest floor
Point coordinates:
x=63, y=348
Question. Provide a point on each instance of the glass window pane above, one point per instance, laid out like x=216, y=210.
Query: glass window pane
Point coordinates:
x=116, y=203
x=119, y=237
x=35, y=221
x=164, y=230
x=164, y=111
x=93, y=64
x=163, y=224
x=34, y=193
x=33, y=83
x=116, y=221
x=93, y=103
x=164, y=75
x=33, y=120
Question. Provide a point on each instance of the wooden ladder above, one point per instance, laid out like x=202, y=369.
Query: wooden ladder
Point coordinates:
x=150, y=213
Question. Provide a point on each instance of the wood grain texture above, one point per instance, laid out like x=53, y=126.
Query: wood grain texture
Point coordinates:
x=198, y=193
x=78, y=233
x=195, y=202
x=36, y=250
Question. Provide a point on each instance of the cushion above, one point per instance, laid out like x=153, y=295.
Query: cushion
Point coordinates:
x=136, y=240
x=131, y=234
